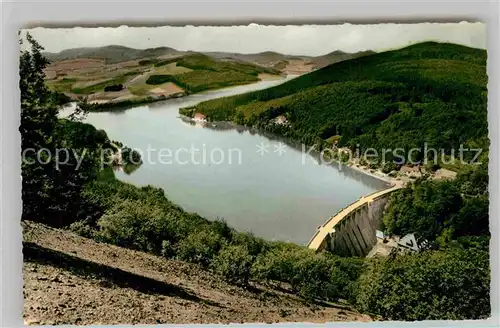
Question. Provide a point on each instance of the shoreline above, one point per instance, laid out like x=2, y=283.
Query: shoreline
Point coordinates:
x=127, y=104
x=389, y=181
x=378, y=175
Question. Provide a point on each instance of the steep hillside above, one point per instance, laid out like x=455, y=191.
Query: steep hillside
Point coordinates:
x=69, y=279
x=429, y=92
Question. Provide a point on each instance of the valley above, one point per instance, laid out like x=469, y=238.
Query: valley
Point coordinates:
x=149, y=75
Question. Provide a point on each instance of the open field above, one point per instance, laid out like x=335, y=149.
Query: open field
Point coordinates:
x=149, y=78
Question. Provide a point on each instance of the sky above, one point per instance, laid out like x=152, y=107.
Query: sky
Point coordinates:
x=311, y=40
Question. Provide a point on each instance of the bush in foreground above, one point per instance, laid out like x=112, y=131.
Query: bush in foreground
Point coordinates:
x=312, y=275
x=200, y=246
x=131, y=224
x=234, y=264
x=445, y=285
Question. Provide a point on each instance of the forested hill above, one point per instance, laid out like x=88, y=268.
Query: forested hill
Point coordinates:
x=428, y=92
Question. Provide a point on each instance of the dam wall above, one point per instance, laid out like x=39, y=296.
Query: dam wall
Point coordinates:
x=352, y=231
x=354, y=235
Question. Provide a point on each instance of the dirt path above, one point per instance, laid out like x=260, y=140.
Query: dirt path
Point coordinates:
x=74, y=280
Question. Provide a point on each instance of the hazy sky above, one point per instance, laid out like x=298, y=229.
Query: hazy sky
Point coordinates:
x=298, y=40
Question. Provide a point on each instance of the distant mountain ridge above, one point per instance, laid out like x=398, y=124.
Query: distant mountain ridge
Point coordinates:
x=112, y=53
x=338, y=56
x=116, y=53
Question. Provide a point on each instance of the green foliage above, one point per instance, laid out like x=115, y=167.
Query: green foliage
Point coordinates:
x=208, y=73
x=82, y=228
x=124, y=104
x=473, y=180
x=424, y=207
x=473, y=217
x=445, y=285
x=254, y=245
x=199, y=80
x=160, y=79
x=51, y=184
x=131, y=224
x=62, y=85
x=200, y=246
x=59, y=98
x=206, y=63
x=442, y=210
x=131, y=156
x=234, y=263
x=312, y=275
x=167, y=249
x=389, y=167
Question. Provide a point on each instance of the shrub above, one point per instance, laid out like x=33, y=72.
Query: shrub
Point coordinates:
x=344, y=157
x=82, y=228
x=200, y=246
x=312, y=278
x=431, y=167
x=344, y=276
x=60, y=98
x=135, y=225
x=445, y=285
x=388, y=167
x=131, y=156
x=312, y=275
x=278, y=262
x=221, y=228
x=234, y=264
x=254, y=245
x=167, y=249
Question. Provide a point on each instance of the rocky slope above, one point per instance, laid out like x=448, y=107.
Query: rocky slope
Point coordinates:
x=69, y=279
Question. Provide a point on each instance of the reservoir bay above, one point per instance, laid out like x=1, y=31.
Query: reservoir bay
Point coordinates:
x=256, y=182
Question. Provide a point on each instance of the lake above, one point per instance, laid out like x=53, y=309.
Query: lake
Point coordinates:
x=257, y=183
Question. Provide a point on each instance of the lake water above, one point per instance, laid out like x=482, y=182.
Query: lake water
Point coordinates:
x=255, y=182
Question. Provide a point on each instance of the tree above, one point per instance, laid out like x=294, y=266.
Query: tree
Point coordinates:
x=38, y=125
x=425, y=208
x=56, y=161
x=234, y=264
